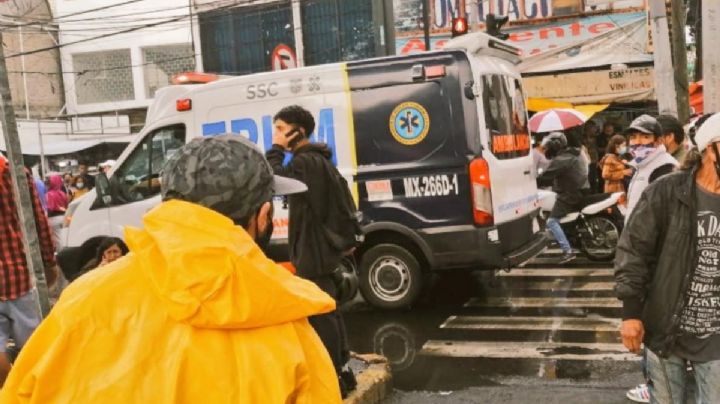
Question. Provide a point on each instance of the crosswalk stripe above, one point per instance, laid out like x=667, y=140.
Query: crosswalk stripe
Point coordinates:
x=549, y=302
x=529, y=350
x=562, y=285
x=532, y=323
x=557, y=272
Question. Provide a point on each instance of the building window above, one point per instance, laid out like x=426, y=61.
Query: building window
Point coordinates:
x=160, y=63
x=241, y=41
x=335, y=30
x=103, y=76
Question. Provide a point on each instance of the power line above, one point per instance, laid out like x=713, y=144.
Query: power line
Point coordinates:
x=125, y=31
x=93, y=38
x=80, y=12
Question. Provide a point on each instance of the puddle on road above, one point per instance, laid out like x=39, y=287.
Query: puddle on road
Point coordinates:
x=400, y=336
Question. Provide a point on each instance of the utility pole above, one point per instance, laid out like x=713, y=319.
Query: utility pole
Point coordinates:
x=679, y=49
x=21, y=190
x=711, y=56
x=664, y=72
x=426, y=24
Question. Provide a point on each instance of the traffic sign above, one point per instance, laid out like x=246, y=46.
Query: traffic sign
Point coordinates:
x=283, y=58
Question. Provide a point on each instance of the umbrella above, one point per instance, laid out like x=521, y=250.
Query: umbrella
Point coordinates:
x=556, y=119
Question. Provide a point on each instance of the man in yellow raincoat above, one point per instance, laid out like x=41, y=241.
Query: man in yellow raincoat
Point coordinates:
x=195, y=313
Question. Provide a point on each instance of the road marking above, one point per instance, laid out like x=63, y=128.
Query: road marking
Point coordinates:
x=564, y=284
x=519, y=302
x=529, y=350
x=532, y=323
x=557, y=272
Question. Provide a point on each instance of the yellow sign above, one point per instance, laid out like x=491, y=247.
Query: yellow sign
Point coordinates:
x=409, y=123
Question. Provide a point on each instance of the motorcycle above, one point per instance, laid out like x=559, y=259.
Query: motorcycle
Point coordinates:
x=595, y=228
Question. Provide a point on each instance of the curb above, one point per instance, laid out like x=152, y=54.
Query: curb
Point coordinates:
x=374, y=383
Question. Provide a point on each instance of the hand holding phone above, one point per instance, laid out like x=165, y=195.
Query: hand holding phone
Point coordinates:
x=288, y=140
x=293, y=137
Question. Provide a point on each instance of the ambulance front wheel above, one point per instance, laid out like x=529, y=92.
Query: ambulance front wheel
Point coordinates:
x=390, y=276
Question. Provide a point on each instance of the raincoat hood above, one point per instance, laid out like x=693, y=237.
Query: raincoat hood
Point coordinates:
x=209, y=273
x=56, y=183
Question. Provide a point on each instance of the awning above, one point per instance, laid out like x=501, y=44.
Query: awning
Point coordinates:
x=56, y=140
x=542, y=104
x=625, y=44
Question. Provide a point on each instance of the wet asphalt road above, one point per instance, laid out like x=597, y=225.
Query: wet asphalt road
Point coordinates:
x=542, y=333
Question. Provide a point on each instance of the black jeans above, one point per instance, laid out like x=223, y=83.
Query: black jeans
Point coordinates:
x=330, y=327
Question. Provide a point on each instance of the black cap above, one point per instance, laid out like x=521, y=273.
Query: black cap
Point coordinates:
x=645, y=124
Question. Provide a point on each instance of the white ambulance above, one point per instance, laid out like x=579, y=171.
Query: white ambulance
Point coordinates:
x=435, y=145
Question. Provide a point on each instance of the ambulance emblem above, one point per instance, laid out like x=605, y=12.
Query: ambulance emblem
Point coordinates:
x=409, y=123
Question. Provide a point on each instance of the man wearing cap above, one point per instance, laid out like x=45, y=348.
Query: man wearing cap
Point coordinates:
x=195, y=313
x=667, y=270
x=650, y=158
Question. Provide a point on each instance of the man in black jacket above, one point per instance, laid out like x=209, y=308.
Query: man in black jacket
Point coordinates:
x=667, y=270
x=311, y=253
x=568, y=174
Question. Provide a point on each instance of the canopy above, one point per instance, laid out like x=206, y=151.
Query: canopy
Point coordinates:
x=541, y=104
x=697, y=103
x=57, y=139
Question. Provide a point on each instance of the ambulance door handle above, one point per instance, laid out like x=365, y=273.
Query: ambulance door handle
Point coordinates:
x=528, y=172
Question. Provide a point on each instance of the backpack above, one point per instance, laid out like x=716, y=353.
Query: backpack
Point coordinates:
x=342, y=225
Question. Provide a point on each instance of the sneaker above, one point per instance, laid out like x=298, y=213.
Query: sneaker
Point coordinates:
x=567, y=257
x=639, y=394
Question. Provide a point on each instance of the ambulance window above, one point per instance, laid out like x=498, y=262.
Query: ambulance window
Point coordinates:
x=505, y=117
x=139, y=176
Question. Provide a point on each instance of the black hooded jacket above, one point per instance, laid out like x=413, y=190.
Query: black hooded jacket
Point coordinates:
x=568, y=175
x=656, y=258
x=310, y=251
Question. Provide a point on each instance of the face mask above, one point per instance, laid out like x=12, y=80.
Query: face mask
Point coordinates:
x=80, y=185
x=717, y=159
x=641, y=151
x=263, y=240
x=622, y=150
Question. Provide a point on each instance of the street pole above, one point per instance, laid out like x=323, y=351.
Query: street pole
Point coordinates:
x=664, y=72
x=298, y=31
x=711, y=56
x=21, y=190
x=24, y=75
x=679, y=49
x=426, y=23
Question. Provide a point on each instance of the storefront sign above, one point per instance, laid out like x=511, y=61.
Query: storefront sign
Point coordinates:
x=539, y=38
x=632, y=84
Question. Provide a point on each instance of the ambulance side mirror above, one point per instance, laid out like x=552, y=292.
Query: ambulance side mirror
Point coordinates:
x=470, y=90
x=102, y=187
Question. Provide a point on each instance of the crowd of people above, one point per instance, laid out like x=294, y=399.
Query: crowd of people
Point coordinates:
x=667, y=266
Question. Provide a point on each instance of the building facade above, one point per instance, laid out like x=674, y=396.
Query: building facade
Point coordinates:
x=35, y=80
x=251, y=37
x=116, y=54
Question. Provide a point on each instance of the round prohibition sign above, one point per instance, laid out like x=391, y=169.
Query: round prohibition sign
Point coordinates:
x=283, y=58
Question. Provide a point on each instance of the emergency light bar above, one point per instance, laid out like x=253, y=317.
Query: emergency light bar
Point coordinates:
x=194, y=78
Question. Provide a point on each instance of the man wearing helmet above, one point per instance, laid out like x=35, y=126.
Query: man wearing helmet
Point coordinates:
x=568, y=175
x=196, y=312
x=667, y=270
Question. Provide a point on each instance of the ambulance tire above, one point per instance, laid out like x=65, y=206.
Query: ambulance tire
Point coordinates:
x=390, y=277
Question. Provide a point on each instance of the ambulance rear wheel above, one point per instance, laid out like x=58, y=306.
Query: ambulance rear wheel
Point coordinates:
x=390, y=276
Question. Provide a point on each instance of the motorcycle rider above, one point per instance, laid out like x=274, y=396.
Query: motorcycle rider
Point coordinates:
x=568, y=175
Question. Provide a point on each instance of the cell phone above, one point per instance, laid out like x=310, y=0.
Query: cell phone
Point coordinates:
x=297, y=139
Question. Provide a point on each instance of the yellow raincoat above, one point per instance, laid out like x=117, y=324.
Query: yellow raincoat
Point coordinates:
x=194, y=314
